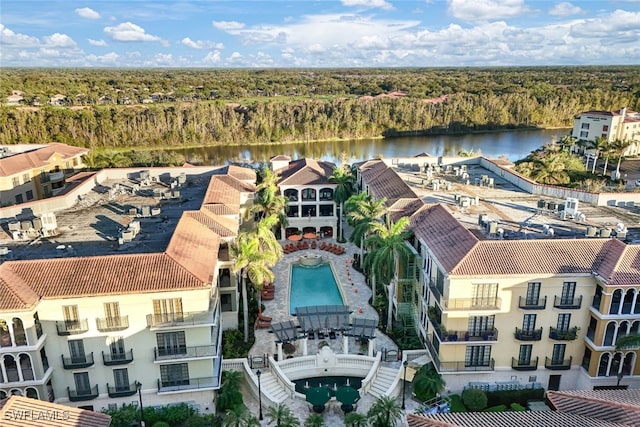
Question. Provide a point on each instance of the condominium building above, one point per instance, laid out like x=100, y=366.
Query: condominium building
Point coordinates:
x=531, y=308
x=87, y=331
x=623, y=125
x=33, y=172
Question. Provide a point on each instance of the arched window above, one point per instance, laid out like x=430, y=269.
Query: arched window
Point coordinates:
x=627, y=365
x=16, y=392
x=308, y=194
x=627, y=304
x=636, y=306
x=5, y=335
x=603, y=366
x=19, y=335
x=616, y=300
x=11, y=368
x=616, y=364
x=291, y=195
x=610, y=333
x=3, y=394
x=32, y=393
x=635, y=327
x=326, y=194
x=26, y=367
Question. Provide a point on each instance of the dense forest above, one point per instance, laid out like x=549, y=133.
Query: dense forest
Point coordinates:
x=154, y=107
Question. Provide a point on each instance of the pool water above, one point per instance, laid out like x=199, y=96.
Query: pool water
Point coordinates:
x=314, y=285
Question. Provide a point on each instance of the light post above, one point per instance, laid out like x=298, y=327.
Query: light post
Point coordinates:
x=258, y=373
x=139, y=388
x=404, y=382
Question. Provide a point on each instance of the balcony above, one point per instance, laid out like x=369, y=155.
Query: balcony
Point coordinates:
x=557, y=364
x=520, y=365
x=117, y=358
x=471, y=304
x=563, y=334
x=56, y=176
x=597, y=299
x=173, y=353
x=528, y=334
x=467, y=366
x=466, y=336
x=532, y=303
x=180, y=320
x=77, y=362
x=567, y=303
x=122, y=390
x=109, y=324
x=188, y=384
x=83, y=394
x=72, y=327
x=437, y=293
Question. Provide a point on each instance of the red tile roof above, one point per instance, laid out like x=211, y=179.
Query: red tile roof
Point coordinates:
x=372, y=168
x=240, y=173
x=390, y=185
x=222, y=226
x=226, y=190
x=618, y=406
x=306, y=172
x=38, y=158
x=18, y=411
x=508, y=419
x=621, y=265
x=404, y=207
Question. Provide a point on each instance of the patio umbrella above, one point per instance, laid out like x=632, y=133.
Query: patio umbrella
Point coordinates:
x=295, y=237
x=347, y=395
x=318, y=396
x=309, y=235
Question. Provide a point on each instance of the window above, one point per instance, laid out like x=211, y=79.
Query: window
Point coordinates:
x=533, y=293
x=524, y=357
x=174, y=374
x=83, y=386
x=563, y=321
x=484, y=294
x=605, y=128
x=29, y=194
x=112, y=314
x=76, y=350
x=604, y=135
x=529, y=322
x=480, y=325
x=225, y=302
x=557, y=358
x=170, y=343
x=585, y=126
x=308, y=194
x=166, y=310
x=568, y=293
x=26, y=178
x=584, y=134
x=116, y=348
x=19, y=199
x=326, y=194
x=478, y=355
x=71, y=317
x=15, y=181
x=121, y=379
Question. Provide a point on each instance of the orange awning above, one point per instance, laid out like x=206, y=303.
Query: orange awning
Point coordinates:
x=295, y=237
x=309, y=235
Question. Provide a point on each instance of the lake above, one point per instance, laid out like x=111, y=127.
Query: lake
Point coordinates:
x=514, y=145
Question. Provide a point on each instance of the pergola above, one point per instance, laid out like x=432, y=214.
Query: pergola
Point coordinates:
x=286, y=332
x=362, y=328
x=316, y=317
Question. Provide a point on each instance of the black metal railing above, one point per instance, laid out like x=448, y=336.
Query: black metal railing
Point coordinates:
x=521, y=365
x=465, y=336
x=471, y=304
x=557, y=364
x=569, y=334
x=122, y=390
x=77, y=362
x=567, y=303
x=532, y=303
x=437, y=293
x=110, y=359
x=107, y=324
x=184, y=352
x=188, y=384
x=72, y=327
x=79, y=395
x=467, y=366
x=179, y=319
x=528, y=334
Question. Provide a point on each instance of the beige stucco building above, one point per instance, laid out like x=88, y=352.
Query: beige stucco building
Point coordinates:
x=622, y=125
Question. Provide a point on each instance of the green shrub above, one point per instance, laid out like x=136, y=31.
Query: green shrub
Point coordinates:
x=499, y=408
x=516, y=407
x=161, y=424
x=507, y=397
x=474, y=399
x=456, y=403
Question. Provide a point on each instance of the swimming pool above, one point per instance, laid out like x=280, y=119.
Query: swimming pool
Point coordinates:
x=313, y=285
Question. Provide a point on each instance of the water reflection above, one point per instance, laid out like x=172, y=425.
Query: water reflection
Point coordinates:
x=513, y=145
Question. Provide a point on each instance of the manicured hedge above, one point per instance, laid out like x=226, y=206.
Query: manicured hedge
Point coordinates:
x=498, y=408
x=507, y=397
x=456, y=403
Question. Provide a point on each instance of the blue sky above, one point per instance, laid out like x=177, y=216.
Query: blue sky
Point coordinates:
x=308, y=33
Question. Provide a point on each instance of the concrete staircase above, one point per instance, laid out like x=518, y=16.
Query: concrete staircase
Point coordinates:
x=271, y=389
x=381, y=385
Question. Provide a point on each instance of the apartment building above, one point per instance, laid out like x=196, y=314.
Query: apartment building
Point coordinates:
x=623, y=125
x=34, y=172
x=88, y=331
x=527, y=309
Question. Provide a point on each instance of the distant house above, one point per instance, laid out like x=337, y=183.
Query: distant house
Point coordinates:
x=15, y=100
x=58, y=99
x=623, y=125
x=105, y=100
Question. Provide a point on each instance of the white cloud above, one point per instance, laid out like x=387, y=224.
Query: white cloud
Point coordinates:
x=8, y=37
x=201, y=44
x=59, y=40
x=235, y=56
x=228, y=25
x=382, y=4
x=162, y=58
x=212, y=57
x=87, y=13
x=129, y=32
x=565, y=9
x=486, y=10
x=100, y=42
x=619, y=24
x=110, y=58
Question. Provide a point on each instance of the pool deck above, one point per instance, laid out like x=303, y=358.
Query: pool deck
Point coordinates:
x=357, y=295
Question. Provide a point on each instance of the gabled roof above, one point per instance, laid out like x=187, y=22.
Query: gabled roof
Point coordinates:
x=221, y=210
x=618, y=406
x=372, y=168
x=240, y=173
x=508, y=419
x=404, y=207
x=220, y=225
x=19, y=411
x=226, y=190
x=390, y=185
x=306, y=172
x=621, y=265
x=280, y=157
x=37, y=158
x=194, y=245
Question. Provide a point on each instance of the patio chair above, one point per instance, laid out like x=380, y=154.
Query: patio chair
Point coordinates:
x=262, y=324
x=313, y=244
x=323, y=246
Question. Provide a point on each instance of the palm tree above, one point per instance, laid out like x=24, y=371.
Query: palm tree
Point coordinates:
x=599, y=145
x=567, y=141
x=628, y=341
x=282, y=416
x=239, y=417
x=618, y=147
x=388, y=248
x=229, y=395
x=268, y=199
x=113, y=159
x=427, y=382
x=314, y=420
x=354, y=419
x=550, y=169
x=251, y=262
x=385, y=412
x=344, y=180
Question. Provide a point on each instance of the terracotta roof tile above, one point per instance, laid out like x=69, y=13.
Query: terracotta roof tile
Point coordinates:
x=223, y=227
x=221, y=210
x=369, y=170
x=280, y=157
x=22, y=162
x=226, y=190
x=390, y=185
x=508, y=419
x=621, y=265
x=618, y=406
x=404, y=207
x=194, y=245
x=241, y=173
x=16, y=294
x=18, y=411
x=306, y=172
